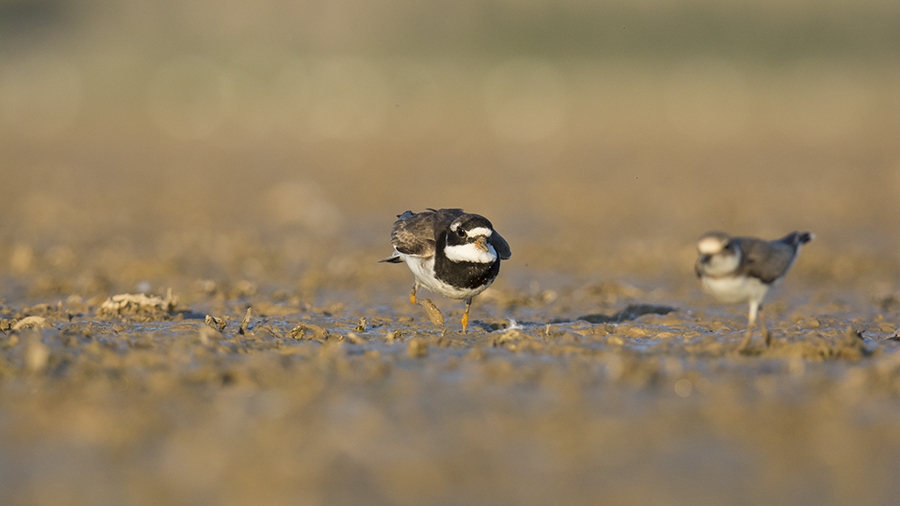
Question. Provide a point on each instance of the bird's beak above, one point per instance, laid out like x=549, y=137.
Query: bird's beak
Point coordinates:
x=481, y=243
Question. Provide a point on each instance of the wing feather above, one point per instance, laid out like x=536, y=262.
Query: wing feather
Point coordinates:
x=766, y=260
x=415, y=233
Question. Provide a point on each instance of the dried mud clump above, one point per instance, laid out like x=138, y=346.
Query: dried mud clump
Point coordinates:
x=308, y=331
x=138, y=305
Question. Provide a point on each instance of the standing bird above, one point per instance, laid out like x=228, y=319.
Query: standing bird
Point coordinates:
x=742, y=269
x=450, y=252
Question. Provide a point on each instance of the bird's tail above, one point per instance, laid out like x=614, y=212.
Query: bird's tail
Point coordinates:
x=795, y=239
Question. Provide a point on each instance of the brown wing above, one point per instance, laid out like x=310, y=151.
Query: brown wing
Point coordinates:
x=415, y=234
x=765, y=260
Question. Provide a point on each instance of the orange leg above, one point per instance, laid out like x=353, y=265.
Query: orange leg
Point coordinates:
x=465, y=318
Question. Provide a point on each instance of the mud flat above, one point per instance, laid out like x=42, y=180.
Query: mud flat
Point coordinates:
x=592, y=392
x=595, y=370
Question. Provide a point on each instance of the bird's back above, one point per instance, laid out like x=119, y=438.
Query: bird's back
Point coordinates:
x=770, y=260
x=414, y=233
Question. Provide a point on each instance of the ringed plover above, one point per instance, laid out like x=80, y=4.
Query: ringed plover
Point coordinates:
x=450, y=252
x=742, y=269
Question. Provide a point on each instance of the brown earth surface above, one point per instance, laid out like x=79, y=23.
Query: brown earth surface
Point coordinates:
x=571, y=386
x=195, y=196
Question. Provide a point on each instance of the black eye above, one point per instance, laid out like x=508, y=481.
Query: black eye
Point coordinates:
x=460, y=232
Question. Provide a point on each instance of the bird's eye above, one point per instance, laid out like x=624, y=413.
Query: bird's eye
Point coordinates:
x=460, y=232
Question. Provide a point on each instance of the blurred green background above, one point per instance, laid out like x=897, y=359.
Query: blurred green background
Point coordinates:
x=152, y=140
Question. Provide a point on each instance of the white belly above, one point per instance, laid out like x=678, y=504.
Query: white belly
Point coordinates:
x=736, y=289
x=423, y=269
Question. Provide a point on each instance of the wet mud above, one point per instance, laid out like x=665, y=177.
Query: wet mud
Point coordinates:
x=594, y=392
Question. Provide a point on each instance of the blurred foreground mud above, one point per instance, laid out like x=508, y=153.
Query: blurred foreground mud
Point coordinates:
x=577, y=393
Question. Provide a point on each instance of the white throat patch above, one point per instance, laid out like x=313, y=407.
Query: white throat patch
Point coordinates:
x=720, y=265
x=471, y=253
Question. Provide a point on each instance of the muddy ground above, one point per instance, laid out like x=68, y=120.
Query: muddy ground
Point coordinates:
x=194, y=199
x=572, y=386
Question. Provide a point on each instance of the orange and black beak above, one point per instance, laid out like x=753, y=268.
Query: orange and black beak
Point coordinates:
x=481, y=243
